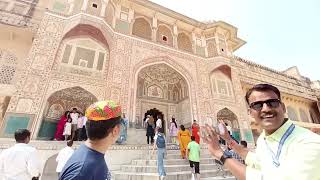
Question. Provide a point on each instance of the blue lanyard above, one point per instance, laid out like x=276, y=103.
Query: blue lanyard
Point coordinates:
x=283, y=139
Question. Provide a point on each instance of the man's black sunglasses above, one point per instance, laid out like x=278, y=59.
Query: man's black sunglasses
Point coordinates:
x=272, y=103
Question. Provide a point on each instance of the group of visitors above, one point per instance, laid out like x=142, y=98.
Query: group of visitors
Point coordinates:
x=152, y=126
x=71, y=126
x=281, y=146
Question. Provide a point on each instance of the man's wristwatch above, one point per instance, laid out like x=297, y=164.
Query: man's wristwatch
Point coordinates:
x=226, y=155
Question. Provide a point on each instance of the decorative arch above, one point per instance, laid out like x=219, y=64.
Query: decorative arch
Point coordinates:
x=221, y=82
x=172, y=64
x=164, y=32
x=184, y=42
x=292, y=113
x=212, y=49
x=229, y=117
x=71, y=97
x=142, y=28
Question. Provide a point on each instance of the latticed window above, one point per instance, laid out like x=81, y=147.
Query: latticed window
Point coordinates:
x=8, y=63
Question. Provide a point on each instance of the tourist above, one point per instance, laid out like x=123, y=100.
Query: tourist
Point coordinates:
x=21, y=161
x=158, y=123
x=195, y=131
x=58, y=135
x=81, y=131
x=284, y=151
x=63, y=156
x=103, y=128
x=160, y=140
x=74, y=116
x=184, y=138
x=67, y=131
x=150, y=130
x=173, y=131
x=123, y=131
x=229, y=128
x=193, y=153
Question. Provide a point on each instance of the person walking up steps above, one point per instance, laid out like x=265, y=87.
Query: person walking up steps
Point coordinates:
x=193, y=152
x=160, y=140
x=184, y=139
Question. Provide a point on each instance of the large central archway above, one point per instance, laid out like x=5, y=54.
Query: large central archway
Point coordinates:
x=161, y=87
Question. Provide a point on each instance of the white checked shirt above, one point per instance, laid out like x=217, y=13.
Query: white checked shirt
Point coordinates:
x=20, y=162
x=63, y=157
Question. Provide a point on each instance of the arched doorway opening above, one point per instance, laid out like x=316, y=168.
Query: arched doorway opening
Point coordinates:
x=60, y=102
x=161, y=87
x=155, y=113
x=231, y=119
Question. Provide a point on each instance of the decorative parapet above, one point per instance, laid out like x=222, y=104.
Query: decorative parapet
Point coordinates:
x=254, y=73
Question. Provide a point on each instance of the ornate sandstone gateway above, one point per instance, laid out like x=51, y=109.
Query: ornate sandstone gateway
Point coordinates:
x=60, y=54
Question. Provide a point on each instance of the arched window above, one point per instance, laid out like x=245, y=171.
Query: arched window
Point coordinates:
x=164, y=35
x=212, y=48
x=184, y=42
x=142, y=28
x=292, y=114
x=303, y=115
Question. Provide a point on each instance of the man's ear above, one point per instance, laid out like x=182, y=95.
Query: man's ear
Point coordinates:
x=116, y=130
x=283, y=107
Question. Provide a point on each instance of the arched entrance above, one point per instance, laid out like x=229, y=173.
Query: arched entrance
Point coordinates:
x=155, y=113
x=231, y=119
x=161, y=87
x=58, y=103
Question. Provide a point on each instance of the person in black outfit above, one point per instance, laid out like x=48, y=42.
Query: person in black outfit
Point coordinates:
x=150, y=132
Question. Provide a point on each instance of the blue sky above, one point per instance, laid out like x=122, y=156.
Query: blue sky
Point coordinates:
x=279, y=33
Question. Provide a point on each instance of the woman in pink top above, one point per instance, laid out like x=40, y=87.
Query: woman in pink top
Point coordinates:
x=173, y=130
x=60, y=126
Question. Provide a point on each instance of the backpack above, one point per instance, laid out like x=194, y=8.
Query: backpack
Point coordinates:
x=160, y=142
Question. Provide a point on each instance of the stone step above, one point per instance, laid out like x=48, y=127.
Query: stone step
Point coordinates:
x=173, y=156
x=169, y=168
x=219, y=178
x=153, y=162
x=181, y=175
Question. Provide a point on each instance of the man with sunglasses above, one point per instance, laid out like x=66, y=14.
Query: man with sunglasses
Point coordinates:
x=284, y=151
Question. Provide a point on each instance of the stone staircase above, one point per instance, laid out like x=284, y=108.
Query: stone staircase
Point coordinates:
x=177, y=168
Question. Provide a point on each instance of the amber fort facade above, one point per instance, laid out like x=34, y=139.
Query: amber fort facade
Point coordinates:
x=60, y=54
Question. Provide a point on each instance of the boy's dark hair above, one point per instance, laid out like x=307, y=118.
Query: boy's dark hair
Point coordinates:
x=70, y=143
x=193, y=138
x=244, y=143
x=262, y=88
x=161, y=130
x=21, y=135
x=182, y=127
x=97, y=130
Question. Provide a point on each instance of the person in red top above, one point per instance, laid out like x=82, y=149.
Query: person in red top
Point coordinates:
x=195, y=131
x=58, y=135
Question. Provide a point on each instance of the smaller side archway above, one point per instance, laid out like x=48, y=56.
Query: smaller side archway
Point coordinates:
x=60, y=102
x=227, y=116
x=141, y=28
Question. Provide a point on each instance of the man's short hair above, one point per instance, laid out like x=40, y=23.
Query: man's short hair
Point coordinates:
x=21, y=135
x=97, y=130
x=244, y=143
x=70, y=143
x=193, y=138
x=262, y=88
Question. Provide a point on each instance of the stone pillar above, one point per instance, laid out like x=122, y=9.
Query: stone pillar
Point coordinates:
x=154, y=28
x=243, y=118
x=194, y=42
x=26, y=103
x=204, y=43
x=175, y=36
x=84, y=5
x=103, y=8
x=71, y=2
x=117, y=15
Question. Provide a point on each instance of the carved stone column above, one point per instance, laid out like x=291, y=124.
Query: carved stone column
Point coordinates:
x=25, y=105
